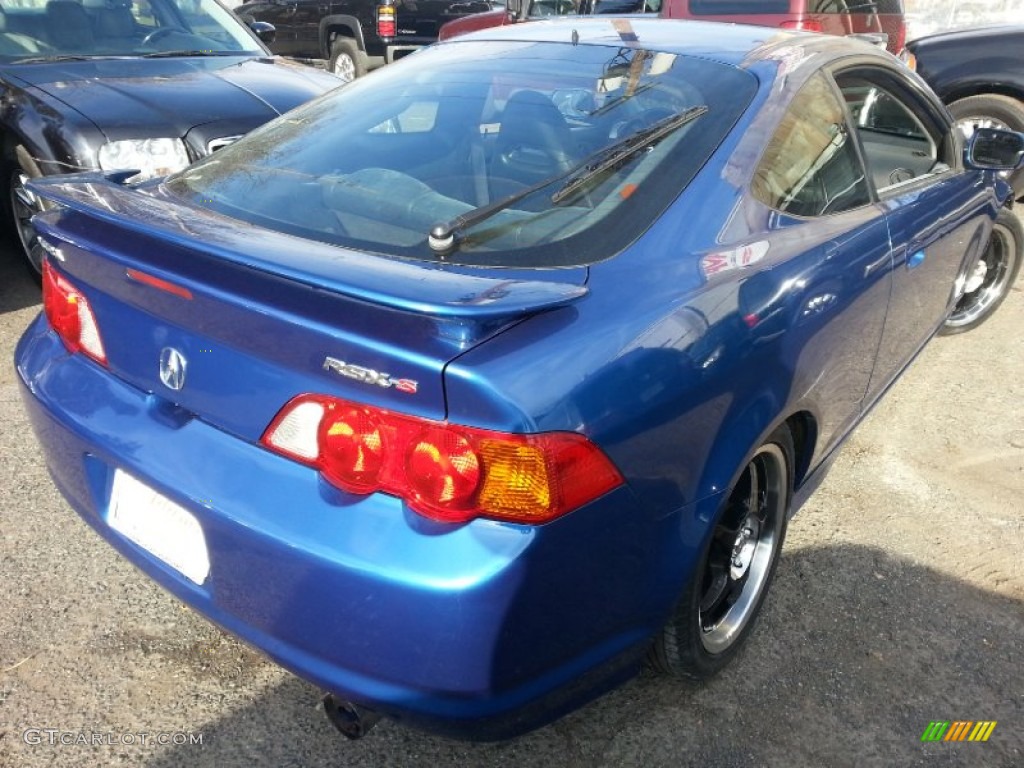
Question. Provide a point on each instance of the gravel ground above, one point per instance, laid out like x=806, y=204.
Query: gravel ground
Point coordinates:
x=899, y=600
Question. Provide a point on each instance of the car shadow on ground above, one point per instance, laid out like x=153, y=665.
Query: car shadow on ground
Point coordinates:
x=857, y=652
x=17, y=288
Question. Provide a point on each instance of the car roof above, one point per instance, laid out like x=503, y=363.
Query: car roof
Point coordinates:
x=739, y=45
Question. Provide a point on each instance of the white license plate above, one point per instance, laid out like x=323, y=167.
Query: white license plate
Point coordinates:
x=159, y=526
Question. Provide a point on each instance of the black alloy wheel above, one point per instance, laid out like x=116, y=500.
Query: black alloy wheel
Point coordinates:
x=718, y=611
x=988, y=283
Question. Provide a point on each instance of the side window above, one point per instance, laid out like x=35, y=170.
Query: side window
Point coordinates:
x=832, y=6
x=540, y=8
x=855, y=6
x=898, y=148
x=142, y=12
x=811, y=166
x=418, y=117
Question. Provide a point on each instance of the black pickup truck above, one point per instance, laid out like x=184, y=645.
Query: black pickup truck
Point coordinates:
x=355, y=36
x=978, y=73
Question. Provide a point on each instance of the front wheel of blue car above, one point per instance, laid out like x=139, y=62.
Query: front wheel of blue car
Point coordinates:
x=719, y=608
x=991, y=278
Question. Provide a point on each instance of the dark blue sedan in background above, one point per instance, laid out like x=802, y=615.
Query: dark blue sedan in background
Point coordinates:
x=465, y=388
x=146, y=85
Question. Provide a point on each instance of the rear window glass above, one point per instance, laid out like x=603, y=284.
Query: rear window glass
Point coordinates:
x=727, y=7
x=586, y=145
x=754, y=7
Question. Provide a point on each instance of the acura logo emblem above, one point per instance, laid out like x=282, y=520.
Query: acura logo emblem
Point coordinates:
x=172, y=368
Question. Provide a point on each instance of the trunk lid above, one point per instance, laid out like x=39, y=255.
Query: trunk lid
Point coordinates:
x=260, y=317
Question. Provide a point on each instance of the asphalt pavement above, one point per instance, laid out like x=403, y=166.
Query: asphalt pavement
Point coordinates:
x=899, y=602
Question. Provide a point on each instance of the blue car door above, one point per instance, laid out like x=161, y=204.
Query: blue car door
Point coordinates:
x=836, y=267
x=935, y=211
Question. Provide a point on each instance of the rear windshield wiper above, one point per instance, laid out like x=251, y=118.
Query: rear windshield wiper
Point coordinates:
x=616, y=154
x=441, y=238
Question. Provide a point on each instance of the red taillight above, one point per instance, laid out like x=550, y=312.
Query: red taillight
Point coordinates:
x=70, y=315
x=387, y=24
x=351, y=448
x=443, y=471
x=807, y=25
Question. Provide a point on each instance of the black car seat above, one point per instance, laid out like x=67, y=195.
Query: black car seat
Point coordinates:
x=113, y=23
x=533, y=143
x=68, y=27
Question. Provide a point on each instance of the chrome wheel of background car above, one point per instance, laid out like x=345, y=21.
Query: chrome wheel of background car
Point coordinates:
x=24, y=204
x=743, y=549
x=970, y=124
x=346, y=62
x=990, y=281
x=345, y=68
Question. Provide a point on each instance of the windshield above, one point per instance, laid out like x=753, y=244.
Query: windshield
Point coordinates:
x=498, y=144
x=48, y=29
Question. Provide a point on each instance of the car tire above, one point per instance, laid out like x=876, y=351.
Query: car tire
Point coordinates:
x=997, y=270
x=719, y=607
x=347, y=62
x=19, y=205
x=991, y=111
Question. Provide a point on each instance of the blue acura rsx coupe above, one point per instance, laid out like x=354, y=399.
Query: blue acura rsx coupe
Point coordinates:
x=463, y=389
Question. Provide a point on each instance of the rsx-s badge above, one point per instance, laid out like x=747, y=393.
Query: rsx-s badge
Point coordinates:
x=370, y=376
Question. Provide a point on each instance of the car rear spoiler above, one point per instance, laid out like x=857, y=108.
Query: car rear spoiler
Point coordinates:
x=441, y=291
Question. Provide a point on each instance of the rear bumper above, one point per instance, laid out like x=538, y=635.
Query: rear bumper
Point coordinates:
x=394, y=52
x=481, y=631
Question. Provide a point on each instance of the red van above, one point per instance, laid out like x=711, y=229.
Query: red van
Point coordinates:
x=516, y=11
x=833, y=17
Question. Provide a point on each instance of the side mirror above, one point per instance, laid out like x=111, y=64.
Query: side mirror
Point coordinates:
x=992, y=149
x=264, y=30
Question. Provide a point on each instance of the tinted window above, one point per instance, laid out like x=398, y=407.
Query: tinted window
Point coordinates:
x=842, y=6
x=811, y=166
x=378, y=164
x=541, y=8
x=626, y=6
x=749, y=7
x=898, y=148
x=725, y=7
